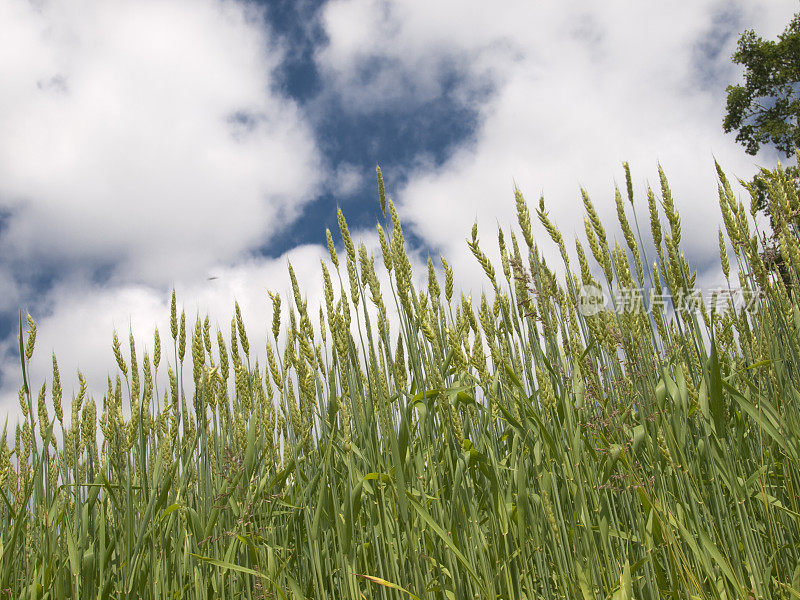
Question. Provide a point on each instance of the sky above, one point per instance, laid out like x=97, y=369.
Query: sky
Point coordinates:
x=202, y=145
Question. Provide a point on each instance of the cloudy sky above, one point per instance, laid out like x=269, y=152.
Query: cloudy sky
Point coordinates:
x=152, y=144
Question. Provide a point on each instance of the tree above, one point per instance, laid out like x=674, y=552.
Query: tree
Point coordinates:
x=766, y=109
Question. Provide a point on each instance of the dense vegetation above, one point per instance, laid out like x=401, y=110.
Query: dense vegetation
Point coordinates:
x=507, y=447
x=764, y=110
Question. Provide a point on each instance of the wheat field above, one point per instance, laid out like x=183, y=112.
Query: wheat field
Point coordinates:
x=508, y=447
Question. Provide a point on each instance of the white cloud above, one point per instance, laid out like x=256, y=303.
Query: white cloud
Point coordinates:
x=146, y=134
x=346, y=180
x=12, y=294
x=145, y=139
x=83, y=317
x=575, y=90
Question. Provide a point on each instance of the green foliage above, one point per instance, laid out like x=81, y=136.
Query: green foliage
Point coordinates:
x=765, y=110
x=508, y=448
x=758, y=187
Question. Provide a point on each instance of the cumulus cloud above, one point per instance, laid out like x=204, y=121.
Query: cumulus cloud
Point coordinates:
x=142, y=145
x=564, y=92
x=346, y=179
x=79, y=326
x=147, y=141
x=145, y=135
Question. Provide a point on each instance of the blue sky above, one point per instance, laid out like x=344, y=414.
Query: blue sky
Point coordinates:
x=152, y=144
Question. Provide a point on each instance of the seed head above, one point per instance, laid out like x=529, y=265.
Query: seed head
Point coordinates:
x=723, y=255
x=332, y=248
x=551, y=229
x=182, y=337
x=628, y=181
x=31, y=338
x=207, y=334
x=115, y=345
x=524, y=217
x=173, y=317
x=397, y=230
x=385, y=249
x=448, y=279
x=57, y=393
x=156, y=350
x=44, y=419
x=198, y=354
x=381, y=190
x=223, y=357
x=655, y=224
x=353, y=277
x=134, y=368
x=348, y=241
x=240, y=328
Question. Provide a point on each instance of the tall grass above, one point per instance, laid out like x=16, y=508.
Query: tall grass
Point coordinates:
x=522, y=449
